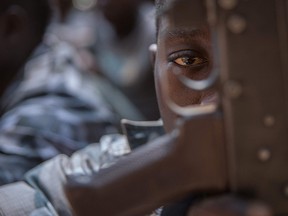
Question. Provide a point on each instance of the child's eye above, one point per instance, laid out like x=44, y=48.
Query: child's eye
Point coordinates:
x=190, y=61
x=187, y=58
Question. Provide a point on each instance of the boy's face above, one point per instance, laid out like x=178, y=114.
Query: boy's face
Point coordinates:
x=185, y=50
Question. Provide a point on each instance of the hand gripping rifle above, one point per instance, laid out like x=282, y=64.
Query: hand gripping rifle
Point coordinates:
x=239, y=144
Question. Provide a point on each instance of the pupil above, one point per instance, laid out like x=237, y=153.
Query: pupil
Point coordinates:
x=188, y=61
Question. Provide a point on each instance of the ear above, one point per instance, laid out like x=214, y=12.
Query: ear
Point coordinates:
x=13, y=22
x=153, y=50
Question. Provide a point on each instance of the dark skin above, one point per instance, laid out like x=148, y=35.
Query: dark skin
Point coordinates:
x=186, y=50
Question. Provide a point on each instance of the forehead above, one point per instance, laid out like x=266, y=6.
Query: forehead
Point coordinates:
x=170, y=31
x=183, y=19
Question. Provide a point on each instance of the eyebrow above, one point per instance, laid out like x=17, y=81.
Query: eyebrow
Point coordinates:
x=184, y=34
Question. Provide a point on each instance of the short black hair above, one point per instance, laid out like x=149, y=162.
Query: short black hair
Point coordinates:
x=159, y=10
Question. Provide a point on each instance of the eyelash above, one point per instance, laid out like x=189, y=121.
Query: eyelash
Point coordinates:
x=187, y=54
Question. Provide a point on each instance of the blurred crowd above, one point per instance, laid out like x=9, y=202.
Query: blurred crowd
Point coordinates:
x=87, y=67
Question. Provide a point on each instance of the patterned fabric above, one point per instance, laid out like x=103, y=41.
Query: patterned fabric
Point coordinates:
x=45, y=196
x=57, y=108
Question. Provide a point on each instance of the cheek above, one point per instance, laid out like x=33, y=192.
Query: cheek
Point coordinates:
x=167, y=115
x=179, y=93
x=175, y=91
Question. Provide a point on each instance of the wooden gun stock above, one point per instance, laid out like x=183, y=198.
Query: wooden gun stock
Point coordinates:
x=165, y=169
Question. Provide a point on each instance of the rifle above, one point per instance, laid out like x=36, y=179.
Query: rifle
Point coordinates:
x=244, y=145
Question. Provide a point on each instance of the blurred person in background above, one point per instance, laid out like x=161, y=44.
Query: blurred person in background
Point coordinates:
x=125, y=30
x=55, y=106
x=22, y=25
x=116, y=36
